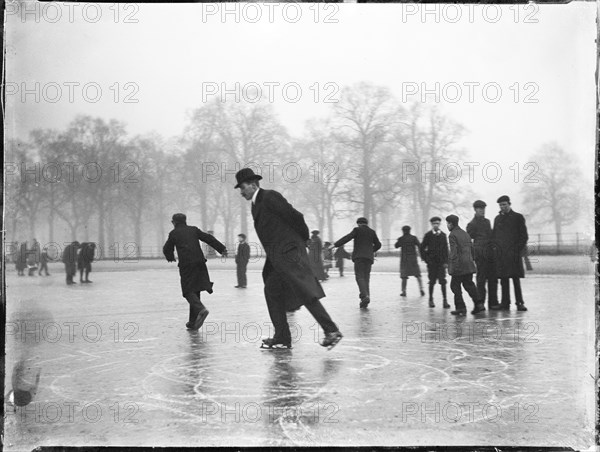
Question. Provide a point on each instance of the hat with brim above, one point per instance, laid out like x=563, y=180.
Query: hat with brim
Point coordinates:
x=245, y=175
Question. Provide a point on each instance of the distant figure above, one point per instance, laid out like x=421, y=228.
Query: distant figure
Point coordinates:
x=340, y=254
x=480, y=230
x=434, y=252
x=21, y=263
x=510, y=235
x=44, y=262
x=241, y=261
x=327, y=257
x=315, y=255
x=593, y=252
x=461, y=267
x=192, y=265
x=84, y=261
x=366, y=244
x=33, y=257
x=70, y=261
x=409, y=247
x=288, y=278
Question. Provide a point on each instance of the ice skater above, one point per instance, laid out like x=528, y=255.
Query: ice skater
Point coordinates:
x=315, y=255
x=434, y=252
x=480, y=230
x=84, y=261
x=366, y=244
x=44, y=262
x=241, y=261
x=510, y=235
x=409, y=247
x=70, y=260
x=340, y=254
x=192, y=265
x=287, y=274
x=461, y=267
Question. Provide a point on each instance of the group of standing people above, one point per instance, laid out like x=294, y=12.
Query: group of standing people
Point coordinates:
x=491, y=253
x=78, y=256
x=32, y=259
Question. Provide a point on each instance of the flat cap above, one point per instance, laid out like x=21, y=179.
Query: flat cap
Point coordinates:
x=452, y=219
x=479, y=203
x=503, y=198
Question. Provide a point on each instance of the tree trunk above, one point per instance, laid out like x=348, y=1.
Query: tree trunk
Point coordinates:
x=100, y=240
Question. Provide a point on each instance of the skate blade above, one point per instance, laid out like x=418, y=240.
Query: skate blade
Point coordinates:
x=275, y=347
x=330, y=346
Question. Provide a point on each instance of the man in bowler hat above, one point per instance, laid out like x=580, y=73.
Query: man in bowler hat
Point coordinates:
x=69, y=258
x=434, y=252
x=366, y=244
x=510, y=236
x=241, y=261
x=480, y=230
x=288, y=278
x=461, y=267
x=192, y=265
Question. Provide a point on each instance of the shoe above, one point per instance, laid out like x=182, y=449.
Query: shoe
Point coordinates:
x=422, y=293
x=87, y=281
x=189, y=326
x=242, y=287
x=446, y=305
x=364, y=302
x=237, y=287
x=501, y=307
x=272, y=343
x=458, y=313
x=479, y=307
x=403, y=294
x=431, y=303
x=521, y=307
x=331, y=339
x=200, y=319
x=492, y=306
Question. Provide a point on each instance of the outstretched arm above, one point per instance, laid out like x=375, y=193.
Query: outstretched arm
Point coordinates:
x=345, y=239
x=210, y=240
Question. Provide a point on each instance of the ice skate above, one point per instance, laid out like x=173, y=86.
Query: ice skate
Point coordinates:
x=274, y=344
x=331, y=339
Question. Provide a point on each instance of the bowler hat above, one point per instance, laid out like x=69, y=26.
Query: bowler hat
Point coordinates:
x=432, y=219
x=479, y=203
x=315, y=232
x=452, y=219
x=245, y=175
x=242, y=236
x=406, y=228
x=362, y=220
x=503, y=198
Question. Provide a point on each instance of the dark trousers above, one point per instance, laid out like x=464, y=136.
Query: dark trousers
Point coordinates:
x=465, y=281
x=485, y=273
x=196, y=306
x=275, y=294
x=241, y=274
x=70, y=270
x=505, y=283
x=362, y=273
x=44, y=267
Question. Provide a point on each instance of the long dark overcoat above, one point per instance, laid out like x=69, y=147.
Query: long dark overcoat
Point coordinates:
x=510, y=237
x=315, y=256
x=192, y=263
x=408, y=245
x=283, y=234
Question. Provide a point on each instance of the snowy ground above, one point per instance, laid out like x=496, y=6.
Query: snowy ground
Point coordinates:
x=117, y=366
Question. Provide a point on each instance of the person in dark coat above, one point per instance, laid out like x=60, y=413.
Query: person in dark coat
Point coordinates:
x=69, y=258
x=84, y=261
x=192, y=265
x=33, y=257
x=21, y=263
x=287, y=275
x=44, y=262
x=340, y=254
x=434, y=252
x=461, y=267
x=510, y=236
x=409, y=246
x=241, y=261
x=480, y=230
x=315, y=255
x=366, y=244
x=327, y=257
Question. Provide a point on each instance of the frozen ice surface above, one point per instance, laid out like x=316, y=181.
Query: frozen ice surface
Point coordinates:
x=118, y=367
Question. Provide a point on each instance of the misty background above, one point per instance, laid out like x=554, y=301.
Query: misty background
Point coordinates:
x=355, y=143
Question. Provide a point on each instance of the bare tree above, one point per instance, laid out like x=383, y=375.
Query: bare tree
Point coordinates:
x=552, y=188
